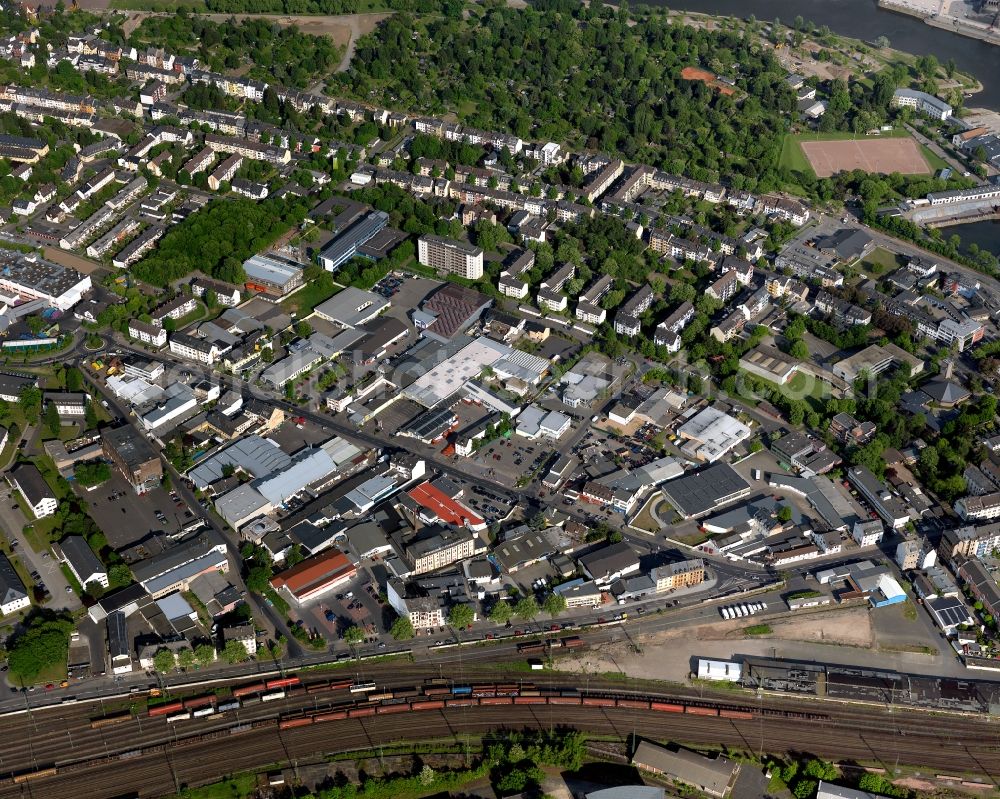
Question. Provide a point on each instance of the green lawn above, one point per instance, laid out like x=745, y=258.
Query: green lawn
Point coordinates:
x=936, y=162
x=196, y=315
x=302, y=302
x=880, y=260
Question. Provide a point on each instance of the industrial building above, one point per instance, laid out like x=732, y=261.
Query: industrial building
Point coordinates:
x=699, y=493
x=711, y=434
x=273, y=275
x=315, y=576
x=345, y=245
x=28, y=277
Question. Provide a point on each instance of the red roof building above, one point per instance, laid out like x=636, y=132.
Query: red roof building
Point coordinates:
x=315, y=576
x=445, y=508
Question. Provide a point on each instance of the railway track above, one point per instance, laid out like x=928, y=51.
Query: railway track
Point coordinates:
x=60, y=746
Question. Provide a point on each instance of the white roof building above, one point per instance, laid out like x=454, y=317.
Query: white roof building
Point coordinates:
x=711, y=434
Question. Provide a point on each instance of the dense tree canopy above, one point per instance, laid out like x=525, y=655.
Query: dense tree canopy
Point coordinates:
x=584, y=74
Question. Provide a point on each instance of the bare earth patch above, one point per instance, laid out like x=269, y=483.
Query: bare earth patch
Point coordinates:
x=883, y=156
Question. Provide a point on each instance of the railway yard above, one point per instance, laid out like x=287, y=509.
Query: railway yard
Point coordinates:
x=148, y=745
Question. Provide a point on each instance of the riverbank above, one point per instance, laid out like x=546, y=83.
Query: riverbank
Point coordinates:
x=931, y=12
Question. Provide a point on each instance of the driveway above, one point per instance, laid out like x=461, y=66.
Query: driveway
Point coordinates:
x=12, y=522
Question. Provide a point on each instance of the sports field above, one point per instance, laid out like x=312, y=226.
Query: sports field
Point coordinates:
x=882, y=155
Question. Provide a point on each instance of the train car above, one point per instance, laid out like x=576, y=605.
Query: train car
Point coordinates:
x=200, y=701
x=564, y=700
x=165, y=709
x=362, y=687
x=360, y=712
x=273, y=696
x=495, y=700
x=735, y=714
x=34, y=775
x=107, y=721
x=400, y=708
x=531, y=648
x=638, y=704
x=432, y=704
x=317, y=687
x=436, y=691
x=225, y=707
x=462, y=690
x=512, y=688
x=380, y=697
x=282, y=682
x=694, y=710
x=597, y=701
x=179, y=716
x=572, y=642
x=666, y=707
x=247, y=690
x=335, y=715
x=287, y=724
x=203, y=711
x=467, y=701
x=530, y=700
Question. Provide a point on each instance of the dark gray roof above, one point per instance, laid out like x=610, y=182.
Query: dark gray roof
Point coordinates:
x=11, y=587
x=702, y=491
x=31, y=483
x=610, y=559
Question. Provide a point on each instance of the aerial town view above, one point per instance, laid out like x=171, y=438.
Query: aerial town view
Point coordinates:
x=499, y=398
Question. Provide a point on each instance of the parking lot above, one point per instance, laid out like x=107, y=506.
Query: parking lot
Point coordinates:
x=127, y=518
x=354, y=604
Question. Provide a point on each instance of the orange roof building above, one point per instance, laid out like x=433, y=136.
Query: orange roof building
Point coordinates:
x=448, y=510
x=315, y=576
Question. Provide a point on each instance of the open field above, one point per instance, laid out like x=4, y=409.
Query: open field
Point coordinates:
x=883, y=156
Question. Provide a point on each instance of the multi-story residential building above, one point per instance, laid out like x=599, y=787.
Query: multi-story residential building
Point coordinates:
x=627, y=317
x=842, y=311
x=550, y=294
x=37, y=495
x=195, y=349
x=450, y=256
x=588, y=309
x=147, y=333
x=176, y=308
x=925, y=103
x=601, y=180
x=225, y=171
x=668, y=331
x=979, y=508
x=680, y=574
x=882, y=500
x=724, y=288
x=139, y=246
x=915, y=553
x=867, y=533
x=248, y=149
x=783, y=208
x=437, y=547
x=969, y=542
x=134, y=456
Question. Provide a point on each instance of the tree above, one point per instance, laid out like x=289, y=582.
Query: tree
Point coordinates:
x=236, y=652
x=119, y=576
x=554, y=604
x=41, y=643
x=74, y=379
x=259, y=578
x=461, y=616
x=204, y=654
x=164, y=661
x=303, y=329
x=90, y=417
x=427, y=776
x=526, y=608
x=91, y=473
x=353, y=635
x=185, y=658
x=52, y=420
x=784, y=513
x=501, y=612
x=402, y=629
x=294, y=556
x=799, y=350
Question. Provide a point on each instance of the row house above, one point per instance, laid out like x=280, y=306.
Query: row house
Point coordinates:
x=43, y=98
x=139, y=246
x=742, y=269
x=113, y=237
x=782, y=286
x=710, y=192
x=783, y=208
x=251, y=150
x=35, y=113
x=627, y=318
x=841, y=310
x=225, y=171
x=142, y=73
x=668, y=331
x=129, y=194
x=478, y=176
x=550, y=294
x=680, y=249
x=98, y=64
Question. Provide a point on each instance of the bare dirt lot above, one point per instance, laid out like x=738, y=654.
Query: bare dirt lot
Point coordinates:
x=871, y=155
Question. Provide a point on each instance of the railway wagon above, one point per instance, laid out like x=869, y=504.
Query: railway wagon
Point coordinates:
x=667, y=707
x=530, y=700
x=638, y=704
x=532, y=648
x=728, y=713
x=695, y=710
x=282, y=682
x=597, y=701
x=432, y=704
x=247, y=690
x=360, y=712
x=165, y=709
x=34, y=775
x=436, y=690
x=182, y=716
x=572, y=642
x=564, y=700
x=272, y=696
x=287, y=724
x=335, y=715
x=496, y=700
x=402, y=707
x=466, y=701
x=200, y=701
x=107, y=721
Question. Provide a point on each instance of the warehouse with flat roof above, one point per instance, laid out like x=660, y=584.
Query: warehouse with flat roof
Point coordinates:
x=699, y=493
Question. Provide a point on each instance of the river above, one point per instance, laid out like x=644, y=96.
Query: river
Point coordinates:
x=986, y=235
x=863, y=19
